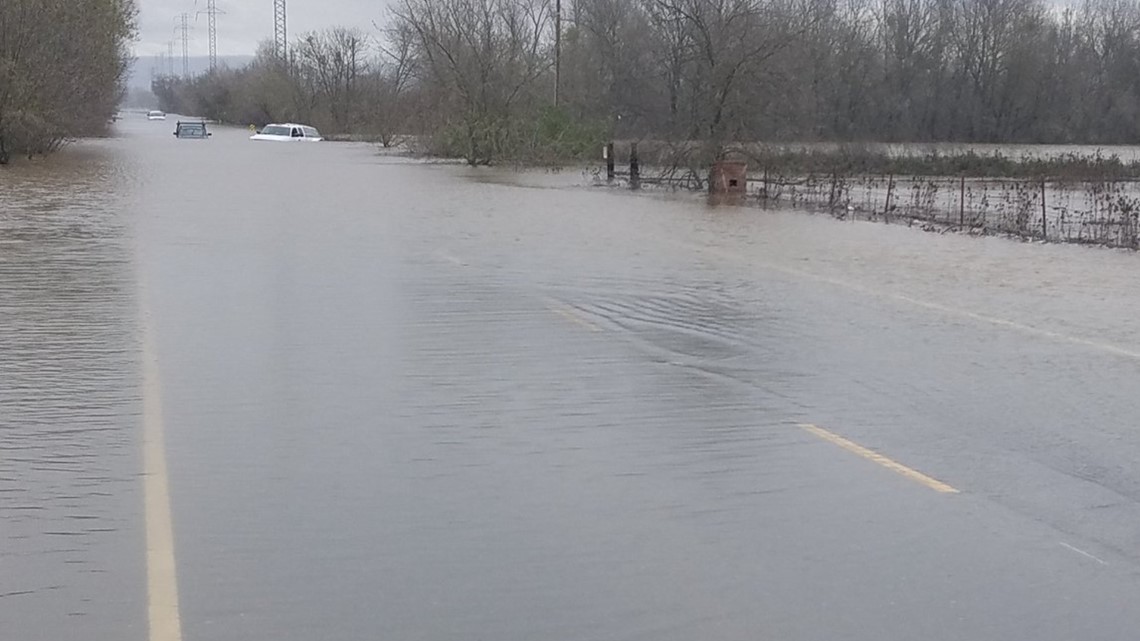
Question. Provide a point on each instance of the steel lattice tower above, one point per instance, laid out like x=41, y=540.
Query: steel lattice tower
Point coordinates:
x=186, y=45
x=212, y=19
x=557, y=52
x=280, y=31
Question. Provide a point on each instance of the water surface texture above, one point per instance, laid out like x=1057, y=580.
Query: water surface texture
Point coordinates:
x=425, y=402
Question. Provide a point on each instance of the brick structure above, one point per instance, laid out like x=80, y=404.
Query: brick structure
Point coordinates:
x=729, y=177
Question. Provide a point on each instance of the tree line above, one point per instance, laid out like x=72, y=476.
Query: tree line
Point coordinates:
x=62, y=67
x=484, y=79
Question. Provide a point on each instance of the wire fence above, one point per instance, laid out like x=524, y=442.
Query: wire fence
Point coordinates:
x=1096, y=212
x=1093, y=212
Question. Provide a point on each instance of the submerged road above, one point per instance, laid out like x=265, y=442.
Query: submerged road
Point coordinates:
x=296, y=392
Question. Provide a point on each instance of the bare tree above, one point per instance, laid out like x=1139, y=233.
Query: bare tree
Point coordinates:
x=330, y=64
x=475, y=77
x=993, y=40
x=62, y=66
x=388, y=103
x=608, y=65
x=1110, y=55
x=730, y=43
x=914, y=37
x=484, y=58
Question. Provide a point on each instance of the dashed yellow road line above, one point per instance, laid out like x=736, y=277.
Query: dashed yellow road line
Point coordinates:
x=164, y=617
x=571, y=315
x=870, y=455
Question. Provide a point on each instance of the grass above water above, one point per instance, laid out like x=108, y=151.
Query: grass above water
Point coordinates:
x=848, y=161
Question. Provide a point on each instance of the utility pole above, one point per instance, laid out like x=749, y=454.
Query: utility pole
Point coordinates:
x=280, y=32
x=212, y=19
x=557, y=52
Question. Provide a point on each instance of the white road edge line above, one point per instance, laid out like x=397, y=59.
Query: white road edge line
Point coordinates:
x=163, y=615
x=929, y=305
x=1082, y=553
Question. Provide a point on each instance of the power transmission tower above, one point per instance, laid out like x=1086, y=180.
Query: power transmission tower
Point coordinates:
x=280, y=31
x=212, y=19
x=170, y=58
x=557, y=52
x=185, y=45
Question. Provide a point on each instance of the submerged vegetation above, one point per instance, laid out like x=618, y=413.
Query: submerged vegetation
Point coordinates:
x=1052, y=196
x=1087, y=211
x=62, y=66
x=861, y=160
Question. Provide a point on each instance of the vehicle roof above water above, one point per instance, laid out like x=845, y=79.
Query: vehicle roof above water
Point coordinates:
x=191, y=129
x=292, y=125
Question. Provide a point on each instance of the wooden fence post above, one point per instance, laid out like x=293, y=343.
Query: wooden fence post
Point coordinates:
x=1044, y=215
x=962, y=205
x=634, y=167
x=887, y=207
x=608, y=152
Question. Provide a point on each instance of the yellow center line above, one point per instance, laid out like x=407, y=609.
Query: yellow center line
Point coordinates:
x=570, y=315
x=870, y=455
x=164, y=618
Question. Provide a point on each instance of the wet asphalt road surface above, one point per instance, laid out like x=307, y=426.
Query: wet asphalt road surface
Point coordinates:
x=424, y=402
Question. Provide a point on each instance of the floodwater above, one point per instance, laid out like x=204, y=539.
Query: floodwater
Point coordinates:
x=412, y=401
x=1126, y=153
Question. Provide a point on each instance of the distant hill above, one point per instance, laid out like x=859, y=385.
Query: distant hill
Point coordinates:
x=146, y=66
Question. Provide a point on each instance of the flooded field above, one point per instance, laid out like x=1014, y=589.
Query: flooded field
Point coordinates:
x=1085, y=212
x=413, y=401
x=1126, y=153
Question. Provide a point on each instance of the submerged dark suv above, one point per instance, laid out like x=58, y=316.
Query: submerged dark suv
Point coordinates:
x=191, y=130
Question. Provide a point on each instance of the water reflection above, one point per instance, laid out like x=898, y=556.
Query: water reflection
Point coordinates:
x=69, y=561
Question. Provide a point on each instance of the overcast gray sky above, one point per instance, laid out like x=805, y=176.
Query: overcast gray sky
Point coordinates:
x=246, y=22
